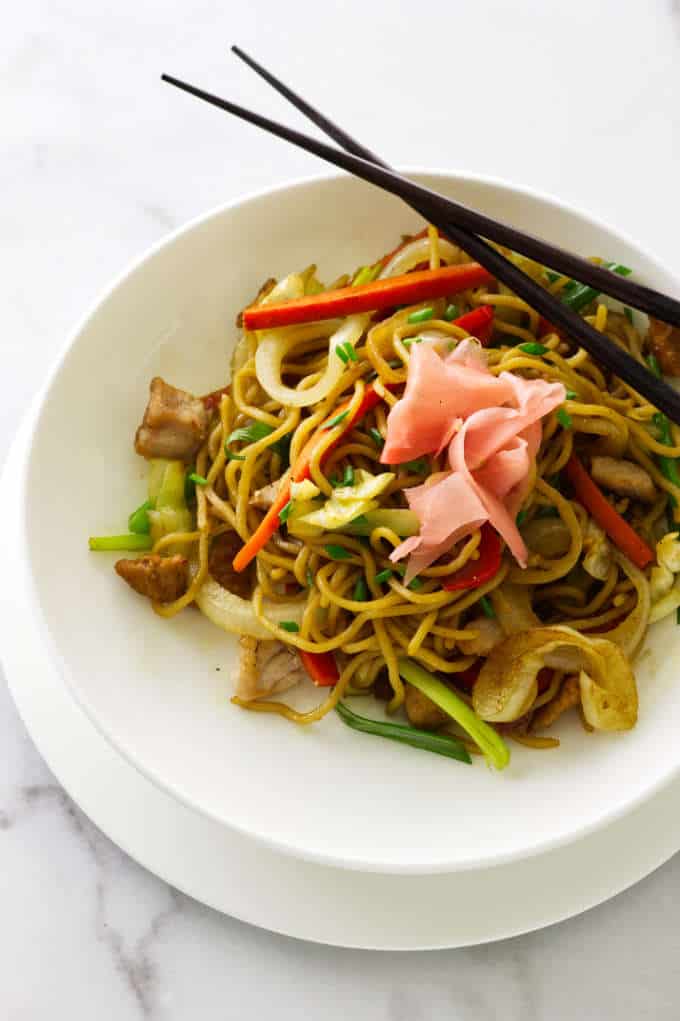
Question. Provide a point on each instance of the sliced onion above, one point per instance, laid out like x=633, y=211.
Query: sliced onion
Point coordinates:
x=630, y=632
x=275, y=345
x=418, y=251
x=231, y=613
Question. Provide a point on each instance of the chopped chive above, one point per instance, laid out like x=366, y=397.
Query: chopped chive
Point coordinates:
x=418, y=467
x=134, y=541
x=348, y=477
x=360, y=593
x=451, y=312
x=337, y=420
x=653, y=363
x=198, y=480
x=383, y=576
x=289, y=625
x=284, y=513
x=421, y=316
x=376, y=437
x=351, y=353
x=139, y=522
x=246, y=434
x=366, y=275
x=628, y=313
x=231, y=456
x=412, y=340
x=487, y=607
x=577, y=296
x=440, y=744
x=564, y=418
x=521, y=518
x=335, y=481
x=342, y=353
x=552, y=277
x=415, y=584
x=337, y=552
x=572, y=395
x=533, y=348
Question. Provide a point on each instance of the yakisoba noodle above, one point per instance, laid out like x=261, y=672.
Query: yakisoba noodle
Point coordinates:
x=349, y=599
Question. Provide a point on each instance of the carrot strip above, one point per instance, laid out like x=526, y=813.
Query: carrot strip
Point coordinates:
x=402, y=290
x=593, y=499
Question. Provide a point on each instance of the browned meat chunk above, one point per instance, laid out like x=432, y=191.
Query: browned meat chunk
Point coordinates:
x=267, y=286
x=223, y=549
x=266, y=668
x=489, y=634
x=264, y=498
x=625, y=478
x=664, y=343
x=162, y=579
x=421, y=710
x=175, y=423
x=568, y=696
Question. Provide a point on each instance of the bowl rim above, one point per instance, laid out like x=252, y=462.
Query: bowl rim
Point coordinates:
x=41, y=620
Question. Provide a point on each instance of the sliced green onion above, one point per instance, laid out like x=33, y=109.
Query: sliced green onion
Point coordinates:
x=628, y=313
x=139, y=521
x=487, y=607
x=342, y=353
x=337, y=420
x=418, y=467
x=488, y=740
x=348, y=477
x=376, y=436
x=564, y=418
x=366, y=275
x=198, y=480
x=577, y=296
x=337, y=552
x=521, y=518
x=421, y=316
x=360, y=593
x=533, y=348
x=351, y=353
x=572, y=395
x=284, y=513
x=451, y=312
x=246, y=434
x=653, y=363
x=668, y=465
x=412, y=340
x=289, y=625
x=383, y=576
x=131, y=542
x=440, y=744
x=415, y=584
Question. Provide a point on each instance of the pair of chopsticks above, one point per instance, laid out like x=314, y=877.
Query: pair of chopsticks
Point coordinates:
x=468, y=228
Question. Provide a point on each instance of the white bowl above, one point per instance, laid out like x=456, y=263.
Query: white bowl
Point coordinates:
x=159, y=690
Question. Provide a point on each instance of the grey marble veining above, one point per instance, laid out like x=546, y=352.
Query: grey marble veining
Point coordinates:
x=98, y=161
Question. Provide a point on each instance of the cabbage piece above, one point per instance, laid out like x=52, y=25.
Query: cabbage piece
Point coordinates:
x=507, y=685
x=166, y=493
x=349, y=502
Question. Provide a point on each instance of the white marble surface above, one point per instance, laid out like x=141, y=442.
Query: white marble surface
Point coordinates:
x=97, y=161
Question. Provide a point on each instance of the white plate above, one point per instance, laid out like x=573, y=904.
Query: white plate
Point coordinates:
x=239, y=877
x=153, y=687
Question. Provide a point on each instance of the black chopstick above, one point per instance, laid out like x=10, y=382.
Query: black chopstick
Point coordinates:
x=435, y=207
x=662, y=306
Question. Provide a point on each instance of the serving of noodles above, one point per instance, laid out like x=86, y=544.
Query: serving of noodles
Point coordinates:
x=476, y=642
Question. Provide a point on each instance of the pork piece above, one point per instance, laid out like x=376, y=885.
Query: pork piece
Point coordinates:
x=223, y=549
x=266, y=668
x=421, y=710
x=175, y=423
x=264, y=290
x=568, y=696
x=162, y=579
x=626, y=478
x=264, y=498
x=664, y=343
x=489, y=634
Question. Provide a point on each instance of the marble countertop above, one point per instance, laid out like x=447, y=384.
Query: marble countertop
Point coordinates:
x=97, y=161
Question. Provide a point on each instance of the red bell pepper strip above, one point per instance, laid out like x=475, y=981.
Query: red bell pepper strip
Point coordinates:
x=476, y=572
x=595, y=502
x=401, y=290
x=478, y=322
x=321, y=667
x=300, y=471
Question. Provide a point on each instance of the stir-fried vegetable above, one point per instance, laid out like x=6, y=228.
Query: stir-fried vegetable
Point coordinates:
x=476, y=572
x=408, y=289
x=349, y=502
x=231, y=613
x=138, y=521
x=167, y=493
x=578, y=296
x=321, y=667
x=616, y=527
x=485, y=737
x=440, y=744
x=129, y=543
